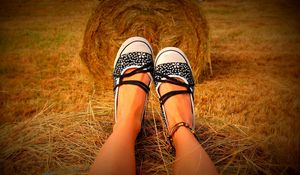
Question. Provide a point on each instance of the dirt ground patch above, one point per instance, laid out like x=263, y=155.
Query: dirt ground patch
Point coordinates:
x=55, y=116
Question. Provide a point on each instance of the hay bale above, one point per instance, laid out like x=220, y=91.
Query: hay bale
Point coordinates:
x=178, y=23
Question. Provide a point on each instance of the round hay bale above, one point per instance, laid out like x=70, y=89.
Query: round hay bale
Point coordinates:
x=164, y=23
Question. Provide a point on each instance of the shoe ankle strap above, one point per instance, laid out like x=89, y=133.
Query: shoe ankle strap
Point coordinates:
x=144, y=69
x=166, y=96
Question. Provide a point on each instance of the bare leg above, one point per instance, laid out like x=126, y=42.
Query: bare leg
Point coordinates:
x=191, y=158
x=117, y=154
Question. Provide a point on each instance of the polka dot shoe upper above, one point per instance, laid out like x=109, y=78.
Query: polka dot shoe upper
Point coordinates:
x=175, y=68
x=132, y=59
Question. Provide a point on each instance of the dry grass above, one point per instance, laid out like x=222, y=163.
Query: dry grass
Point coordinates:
x=115, y=20
x=54, y=117
x=39, y=48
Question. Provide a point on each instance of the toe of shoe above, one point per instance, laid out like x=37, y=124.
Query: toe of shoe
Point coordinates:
x=136, y=44
x=169, y=55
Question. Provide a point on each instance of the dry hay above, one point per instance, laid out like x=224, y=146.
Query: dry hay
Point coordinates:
x=178, y=23
x=67, y=143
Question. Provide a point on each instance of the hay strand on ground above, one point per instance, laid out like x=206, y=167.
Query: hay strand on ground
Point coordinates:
x=246, y=114
x=67, y=143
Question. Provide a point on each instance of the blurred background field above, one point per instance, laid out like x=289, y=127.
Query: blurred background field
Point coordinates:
x=55, y=116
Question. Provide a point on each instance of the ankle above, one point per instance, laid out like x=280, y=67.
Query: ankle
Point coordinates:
x=183, y=135
x=177, y=117
x=178, y=109
x=128, y=124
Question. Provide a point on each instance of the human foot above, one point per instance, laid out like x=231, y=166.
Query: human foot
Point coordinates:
x=132, y=78
x=178, y=107
x=132, y=99
x=175, y=85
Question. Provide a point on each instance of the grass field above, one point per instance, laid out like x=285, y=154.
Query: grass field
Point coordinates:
x=55, y=116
